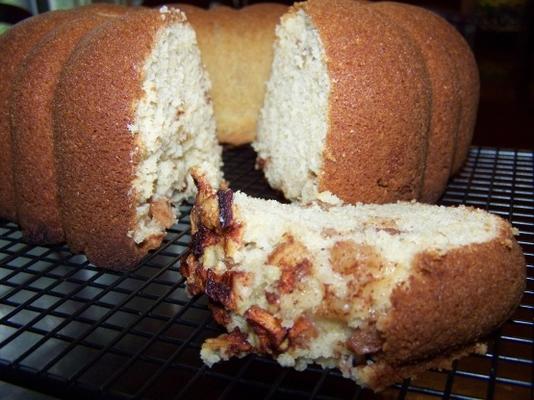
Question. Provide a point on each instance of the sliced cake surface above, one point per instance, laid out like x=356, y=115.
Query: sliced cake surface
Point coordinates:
x=296, y=103
x=174, y=126
x=381, y=292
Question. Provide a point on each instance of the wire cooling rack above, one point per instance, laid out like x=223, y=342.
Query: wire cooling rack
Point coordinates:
x=72, y=330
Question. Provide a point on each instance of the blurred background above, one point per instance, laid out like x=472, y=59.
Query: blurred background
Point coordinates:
x=499, y=31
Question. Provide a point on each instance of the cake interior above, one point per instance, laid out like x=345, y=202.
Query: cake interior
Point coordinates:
x=356, y=256
x=175, y=130
x=395, y=232
x=293, y=122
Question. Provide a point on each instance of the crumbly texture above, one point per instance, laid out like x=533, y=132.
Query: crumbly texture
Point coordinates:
x=175, y=130
x=237, y=50
x=377, y=113
x=380, y=292
x=32, y=129
x=101, y=140
x=427, y=30
x=15, y=44
x=293, y=123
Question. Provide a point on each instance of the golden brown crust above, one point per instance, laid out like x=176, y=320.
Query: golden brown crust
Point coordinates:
x=15, y=44
x=32, y=130
x=430, y=34
x=379, y=104
x=469, y=84
x=453, y=298
x=236, y=48
x=93, y=107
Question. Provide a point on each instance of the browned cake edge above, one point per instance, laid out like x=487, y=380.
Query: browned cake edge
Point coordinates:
x=93, y=107
x=446, y=306
x=426, y=29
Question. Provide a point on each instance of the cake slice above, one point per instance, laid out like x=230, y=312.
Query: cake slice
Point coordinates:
x=132, y=115
x=347, y=106
x=382, y=292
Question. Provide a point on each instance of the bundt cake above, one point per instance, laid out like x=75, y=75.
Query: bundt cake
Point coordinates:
x=131, y=116
x=31, y=124
x=105, y=116
x=382, y=292
x=376, y=107
x=236, y=48
x=15, y=44
x=347, y=106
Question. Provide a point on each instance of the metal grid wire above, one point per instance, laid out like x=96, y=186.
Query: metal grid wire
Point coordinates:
x=70, y=329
